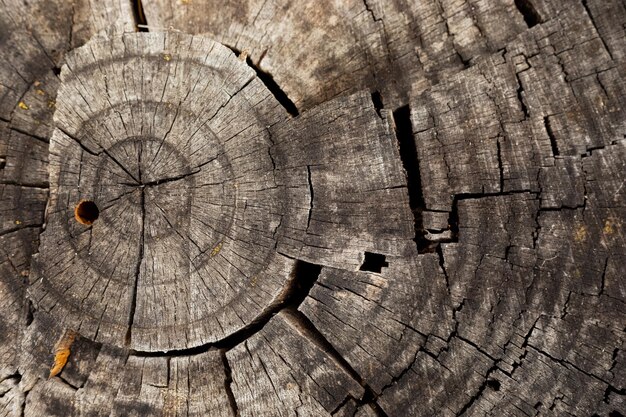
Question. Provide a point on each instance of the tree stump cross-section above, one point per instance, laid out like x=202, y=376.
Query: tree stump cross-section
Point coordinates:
x=179, y=148
x=356, y=208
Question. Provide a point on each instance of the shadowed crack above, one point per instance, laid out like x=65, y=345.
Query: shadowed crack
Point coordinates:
x=311, y=332
x=528, y=11
x=500, y=166
x=520, y=96
x=377, y=101
x=410, y=161
x=553, y=144
x=139, y=16
x=227, y=384
x=268, y=80
x=301, y=280
x=487, y=383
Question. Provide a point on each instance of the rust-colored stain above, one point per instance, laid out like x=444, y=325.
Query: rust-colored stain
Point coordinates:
x=62, y=352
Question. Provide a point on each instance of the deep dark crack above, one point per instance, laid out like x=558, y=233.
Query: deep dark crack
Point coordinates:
x=528, y=11
x=410, y=162
x=268, y=80
x=301, y=280
x=553, y=144
x=139, y=16
x=228, y=380
x=314, y=335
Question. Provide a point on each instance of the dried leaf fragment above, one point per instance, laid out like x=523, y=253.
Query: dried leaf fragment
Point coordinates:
x=62, y=352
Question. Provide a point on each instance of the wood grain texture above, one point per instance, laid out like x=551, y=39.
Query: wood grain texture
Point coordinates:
x=318, y=50
x=332, y=209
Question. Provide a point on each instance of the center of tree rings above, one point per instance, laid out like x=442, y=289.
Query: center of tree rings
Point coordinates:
x=172, y=157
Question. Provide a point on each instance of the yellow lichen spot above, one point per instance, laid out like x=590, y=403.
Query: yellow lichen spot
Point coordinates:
x=216, y=249
x=167, y=57
x=62, y=352
x=608, y=227
x=40, y=92
x=581, y=234
x=22, y=105
x=37, y=83
x=18, y=222
x=243, y=55
x=51, y=104
x=253, y=281
x=185, y=2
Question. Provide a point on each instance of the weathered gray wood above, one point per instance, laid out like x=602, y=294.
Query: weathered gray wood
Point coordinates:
x=460, y=255
x=126, y=140
x=34, y=37
x=318, y=50
x=532, y=197
x=284, y=370
x=354, y=183
x=385, y=344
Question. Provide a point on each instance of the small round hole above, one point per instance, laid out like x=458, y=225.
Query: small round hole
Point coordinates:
x=86, y=212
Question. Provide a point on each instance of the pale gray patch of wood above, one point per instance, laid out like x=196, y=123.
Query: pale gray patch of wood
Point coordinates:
x=317, y=51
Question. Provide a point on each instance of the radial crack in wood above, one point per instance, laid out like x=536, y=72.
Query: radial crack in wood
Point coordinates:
x=166, y=135
x=512, y=303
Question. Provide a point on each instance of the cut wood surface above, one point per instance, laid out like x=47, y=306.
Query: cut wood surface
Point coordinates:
x=274, y=208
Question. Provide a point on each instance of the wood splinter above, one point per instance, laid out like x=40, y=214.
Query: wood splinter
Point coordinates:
x=62, y=352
